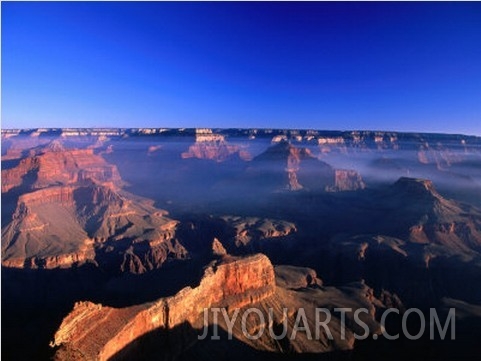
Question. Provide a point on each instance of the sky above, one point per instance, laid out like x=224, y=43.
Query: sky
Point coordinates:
x=337, y=66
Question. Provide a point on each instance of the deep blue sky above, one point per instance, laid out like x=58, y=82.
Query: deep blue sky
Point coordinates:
x=395, y=66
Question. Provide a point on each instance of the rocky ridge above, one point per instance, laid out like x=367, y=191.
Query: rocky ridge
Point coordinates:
x=229, y=283
x=431, y=218
x=96, y=332
x=71, y=210
x=53, y=165
x=65, y=225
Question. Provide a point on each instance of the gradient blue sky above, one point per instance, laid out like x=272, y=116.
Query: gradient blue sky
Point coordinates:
x=388, y=66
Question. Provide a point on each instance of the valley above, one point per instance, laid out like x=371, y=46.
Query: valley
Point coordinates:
x=115, y=240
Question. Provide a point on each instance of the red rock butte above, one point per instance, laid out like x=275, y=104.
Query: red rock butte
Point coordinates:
x=98, y=332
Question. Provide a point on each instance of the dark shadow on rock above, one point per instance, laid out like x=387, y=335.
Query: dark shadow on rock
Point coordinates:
x=35, y=301
x=181, y=344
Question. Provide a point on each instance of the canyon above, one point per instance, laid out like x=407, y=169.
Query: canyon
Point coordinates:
x=114, y=241
x=93, y=331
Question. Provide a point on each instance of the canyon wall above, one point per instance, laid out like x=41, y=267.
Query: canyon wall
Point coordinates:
x=53, y=166
x=346, y=180
x=98, y=332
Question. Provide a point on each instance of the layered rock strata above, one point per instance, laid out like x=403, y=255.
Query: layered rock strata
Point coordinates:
x=98, y=332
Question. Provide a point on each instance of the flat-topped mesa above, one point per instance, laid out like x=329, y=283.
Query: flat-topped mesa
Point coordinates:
x=97, y=333
x=213, y=146
x=206, y=135
x=415, y=186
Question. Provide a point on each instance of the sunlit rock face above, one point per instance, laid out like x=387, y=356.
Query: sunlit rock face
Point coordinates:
x=54, y=164
x=231, y=283
x=213, y=147
x=236, y=285
x=346, y=180
x=72, y=210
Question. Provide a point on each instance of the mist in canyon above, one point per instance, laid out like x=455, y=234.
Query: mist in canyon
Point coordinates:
x=101, y=227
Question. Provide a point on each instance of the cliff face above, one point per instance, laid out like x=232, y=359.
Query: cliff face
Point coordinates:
x=54, y=165
x=430, y=218
x=71, y=210
x=293, y=163
x=96, y=332
x=346, y=180
x=44, y=231
x=61, y=195
x=442, y=157
x=63, y=225
x=284, y=166
x=213, y=147
x=12, y=178
x=217, y=151
x=99, y=332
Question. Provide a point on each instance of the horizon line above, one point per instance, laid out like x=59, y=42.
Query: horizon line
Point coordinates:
x=248, y=128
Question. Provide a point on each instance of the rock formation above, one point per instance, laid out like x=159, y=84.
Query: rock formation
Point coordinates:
x=63, y=225
x=429, y=217
x=71, y=210
x=291, y=277
x=214, y=147
x=346, y=180
x=285, y=166
x=217, y=248
x=233, y=283
x=96, y=332
x=252, y=229
x=71, y=232
x=54, y=165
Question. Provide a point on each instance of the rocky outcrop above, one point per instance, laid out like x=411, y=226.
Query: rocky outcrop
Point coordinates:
x=346, y=180
x=213, y=147
x=12, y=178
x=425, y=216
x=44, y=233
x=217, y=248
x=65, y=225
x=53, y=164
x=61, y=195
x=251, y=229
x=291, y=277
x=286, y=167
x=293, y=163
x=71, y=210
x=417, y=187
x=66, y=167
x=97, y=332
